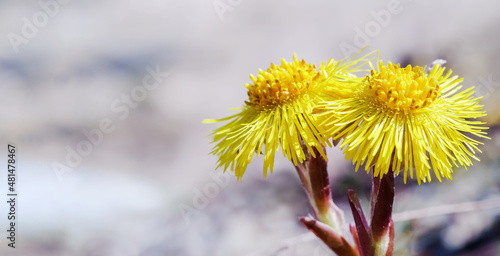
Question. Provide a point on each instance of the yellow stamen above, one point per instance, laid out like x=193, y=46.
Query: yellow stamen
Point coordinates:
x=402, y=88
x=279, y=85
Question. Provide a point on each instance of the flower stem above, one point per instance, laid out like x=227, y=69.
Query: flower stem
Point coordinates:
x=381, y=225
x=314, y=176
x=328, y=221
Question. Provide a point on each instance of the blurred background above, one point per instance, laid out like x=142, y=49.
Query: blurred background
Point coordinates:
x=104, y=101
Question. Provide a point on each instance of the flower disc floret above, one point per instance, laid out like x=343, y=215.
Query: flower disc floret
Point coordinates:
x=279, y=85
x=402, y=88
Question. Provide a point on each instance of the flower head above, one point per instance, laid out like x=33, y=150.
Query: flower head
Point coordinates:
x=278, y=112
x=400, y=118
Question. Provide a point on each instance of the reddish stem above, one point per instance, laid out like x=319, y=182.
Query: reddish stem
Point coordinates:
x=362, y=228
x=334, y=241
x=381, y=225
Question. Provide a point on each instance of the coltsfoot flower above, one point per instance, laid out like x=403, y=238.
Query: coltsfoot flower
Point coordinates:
x=279, y=112
x=407, y=119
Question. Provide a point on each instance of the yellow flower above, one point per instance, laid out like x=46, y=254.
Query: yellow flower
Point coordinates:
x=279, y=112
x=400, y=118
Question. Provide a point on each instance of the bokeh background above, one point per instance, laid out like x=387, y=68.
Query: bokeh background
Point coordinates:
x=148, y=187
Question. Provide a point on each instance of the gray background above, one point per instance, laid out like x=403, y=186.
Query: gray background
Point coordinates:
x=124, y=197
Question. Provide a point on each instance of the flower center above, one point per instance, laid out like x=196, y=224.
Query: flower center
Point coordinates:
x=402, y=88
x=278, y=85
